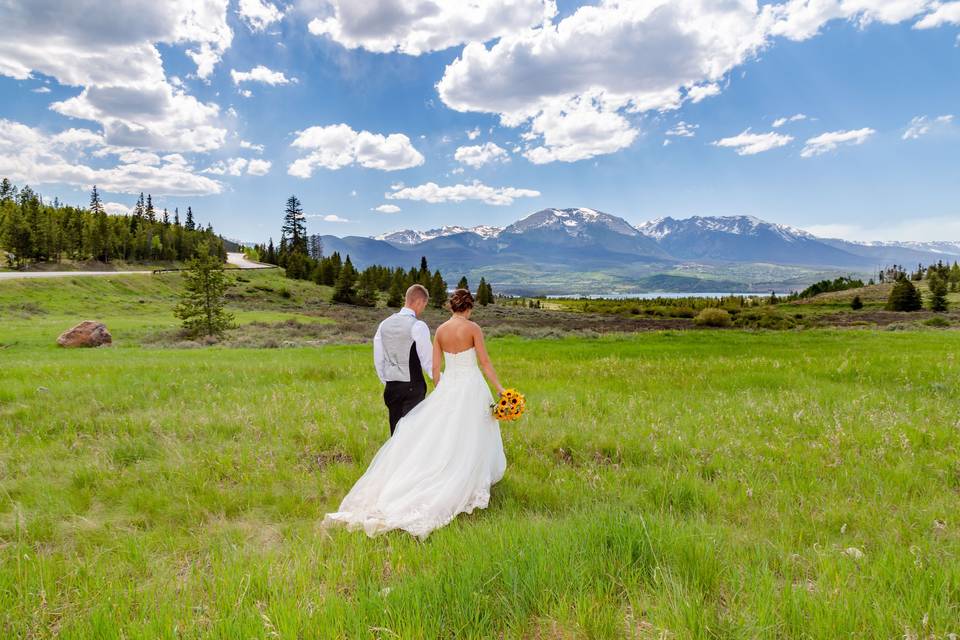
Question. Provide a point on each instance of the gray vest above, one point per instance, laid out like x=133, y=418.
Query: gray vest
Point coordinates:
x=397, y=342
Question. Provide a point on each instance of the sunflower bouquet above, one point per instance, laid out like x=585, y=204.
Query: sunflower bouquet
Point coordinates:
x=509, y=406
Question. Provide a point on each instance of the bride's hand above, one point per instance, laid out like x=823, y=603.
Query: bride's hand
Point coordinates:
x=500, y=390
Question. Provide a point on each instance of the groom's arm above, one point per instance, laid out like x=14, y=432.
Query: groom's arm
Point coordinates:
x=378, y=356
x=421, y=337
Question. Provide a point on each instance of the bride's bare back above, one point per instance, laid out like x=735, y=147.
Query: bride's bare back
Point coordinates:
x=459, y=334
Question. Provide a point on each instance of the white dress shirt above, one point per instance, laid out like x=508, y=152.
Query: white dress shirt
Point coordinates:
x=420, y=333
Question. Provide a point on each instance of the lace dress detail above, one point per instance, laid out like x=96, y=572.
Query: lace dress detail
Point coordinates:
x=441, y=461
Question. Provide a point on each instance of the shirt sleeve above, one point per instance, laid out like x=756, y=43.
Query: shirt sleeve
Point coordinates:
x=421, y=336
x=378, y=356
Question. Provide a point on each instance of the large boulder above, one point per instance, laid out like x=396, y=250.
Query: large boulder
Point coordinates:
x=86, y=334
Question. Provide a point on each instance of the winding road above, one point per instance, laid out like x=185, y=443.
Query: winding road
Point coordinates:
x=238, y=260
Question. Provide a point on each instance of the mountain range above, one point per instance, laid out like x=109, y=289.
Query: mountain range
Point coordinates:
x=580, y=250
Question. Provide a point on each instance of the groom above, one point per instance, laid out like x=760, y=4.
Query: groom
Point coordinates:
x=401, y=353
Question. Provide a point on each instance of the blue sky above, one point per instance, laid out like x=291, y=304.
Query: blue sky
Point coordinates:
x=438, y=116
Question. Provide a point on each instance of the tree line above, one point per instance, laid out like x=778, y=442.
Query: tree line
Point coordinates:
x=303, y=258
x=33, y=231
x=949, y=273
x=905, y=296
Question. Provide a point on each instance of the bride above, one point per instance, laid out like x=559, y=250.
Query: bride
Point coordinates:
x=446, y=453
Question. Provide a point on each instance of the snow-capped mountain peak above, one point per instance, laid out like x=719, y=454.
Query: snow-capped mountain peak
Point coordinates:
x=411, y=237
x=660, y=228
x=574, y=221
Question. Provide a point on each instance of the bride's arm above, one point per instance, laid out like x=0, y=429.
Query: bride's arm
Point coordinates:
x=484, y=359
x=437, y=357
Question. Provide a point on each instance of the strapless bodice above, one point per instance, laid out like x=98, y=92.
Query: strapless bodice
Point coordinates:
x=463, y=361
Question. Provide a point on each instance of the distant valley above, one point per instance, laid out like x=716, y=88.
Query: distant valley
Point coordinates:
x=584, y=251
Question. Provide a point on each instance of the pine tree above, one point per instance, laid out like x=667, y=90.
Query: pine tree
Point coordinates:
x=367, y=289
x=344, y=290
x=294, y=231
x=297, y=266
x=397, y=289
x=938, y=293
x=315, y=246
x=464, y=285
x=8, y=192
x=96, y=206
x=271, y=255
x=201, y=307
x=189, y=224
x=137, y=216
x=100, y=229
x=149, y=210
x=423, y=276
x=484, y=293
x=438, y=290
x=904, y=297
x=954, y=277
x=176, y=216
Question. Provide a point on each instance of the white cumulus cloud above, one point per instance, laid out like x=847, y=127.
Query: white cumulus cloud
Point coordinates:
x=943, y=13
x=387, y=208
x=258, y=14
x=245, y=144
x=337, y=146
x=158, y=117
x=478, y=155
x=748, y=144
x=827, y=142
x=257, y=167
x=434, y=193
x=625, y=57
x=803, y=19
x=578, y=130
x=262, y=74
x=89, y=42
x=240, y=166
x=576, y=81
x=116, y=208
x=33, y=156
x=414, y=27
x=327, y=217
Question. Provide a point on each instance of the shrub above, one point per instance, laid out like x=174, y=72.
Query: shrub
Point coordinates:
x=904, y=297
x=766, y=319
x=937, y=321
x=856, y=304
x=682, y=312
x=713, y=318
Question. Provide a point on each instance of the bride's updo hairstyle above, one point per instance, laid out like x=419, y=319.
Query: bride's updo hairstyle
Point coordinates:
x=461, y=300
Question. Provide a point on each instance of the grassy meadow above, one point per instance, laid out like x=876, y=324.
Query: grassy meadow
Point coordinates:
x=664, y=484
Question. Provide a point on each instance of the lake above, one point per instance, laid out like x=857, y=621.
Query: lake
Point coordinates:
x=650, y=295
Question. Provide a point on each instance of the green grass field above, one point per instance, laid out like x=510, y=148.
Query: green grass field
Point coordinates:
x=689, y=484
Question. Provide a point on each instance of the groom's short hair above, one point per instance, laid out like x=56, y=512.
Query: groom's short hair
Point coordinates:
x=417, y=292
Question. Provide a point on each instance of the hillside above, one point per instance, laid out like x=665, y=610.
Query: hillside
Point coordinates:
x=738, y=471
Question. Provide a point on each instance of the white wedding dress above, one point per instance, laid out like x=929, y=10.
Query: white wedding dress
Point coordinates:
x=441, y=461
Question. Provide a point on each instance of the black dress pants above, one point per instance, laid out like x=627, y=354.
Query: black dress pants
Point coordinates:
x=401, y=397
